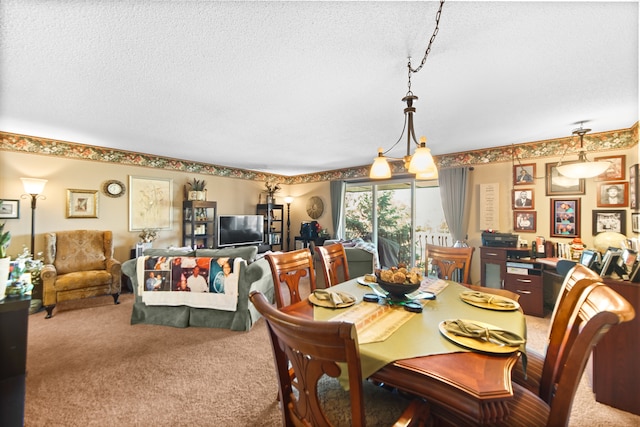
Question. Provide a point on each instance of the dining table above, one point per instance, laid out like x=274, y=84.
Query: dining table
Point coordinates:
x=416, y=357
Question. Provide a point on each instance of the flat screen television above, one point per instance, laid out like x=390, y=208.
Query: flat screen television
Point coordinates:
x=240, y=230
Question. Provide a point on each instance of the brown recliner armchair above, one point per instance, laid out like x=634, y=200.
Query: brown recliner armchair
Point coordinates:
x=79, y=264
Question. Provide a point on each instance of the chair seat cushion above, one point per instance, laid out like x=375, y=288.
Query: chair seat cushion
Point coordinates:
x=526, y=409
x=535, y=362
x=80, y=279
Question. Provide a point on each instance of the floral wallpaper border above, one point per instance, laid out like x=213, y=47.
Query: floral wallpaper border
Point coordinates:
x=603, y=141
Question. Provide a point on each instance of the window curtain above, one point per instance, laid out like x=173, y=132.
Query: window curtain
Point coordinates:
x=453, y=193
x=336, y=193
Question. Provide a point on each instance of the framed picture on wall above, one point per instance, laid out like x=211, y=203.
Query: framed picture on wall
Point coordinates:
x=524, y=174
x=634, y=186
x=565, y=218
x=523, y=198
x=150, y=203
x=560, y=185
x=82, y=203
x=9, y=209
x=614, y=220
x=615, y=171
x=613, y=194
x=635, y=222
x=524, y=221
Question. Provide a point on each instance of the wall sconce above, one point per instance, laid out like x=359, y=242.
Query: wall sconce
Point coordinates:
x=288, y=201
x=33, y=187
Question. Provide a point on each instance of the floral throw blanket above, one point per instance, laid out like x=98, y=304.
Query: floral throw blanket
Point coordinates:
x=200, y=282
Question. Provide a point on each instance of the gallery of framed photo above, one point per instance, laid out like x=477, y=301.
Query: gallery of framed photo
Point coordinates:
x=9, y=209
x=523, y=198
x=615, y=171
x=613, y=194
x=634, y=186
x=635, y=222
x=565, y=217
x=605, y=220
x=150, y=203
x=82, y=203
x=560, y=185
x=524, y=221
x=523, y=174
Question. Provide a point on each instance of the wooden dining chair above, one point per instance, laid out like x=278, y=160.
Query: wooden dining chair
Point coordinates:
x=287, y=268
x=451, y=263
x=318, y=352
x=597, y=310
x=577, y=281
x=333, y=260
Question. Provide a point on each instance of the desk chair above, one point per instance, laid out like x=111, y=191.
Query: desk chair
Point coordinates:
x=319, y=352
x=597, y=309
x=451, y=263
x=578, y=280
x=333, y=260
x=288, y=268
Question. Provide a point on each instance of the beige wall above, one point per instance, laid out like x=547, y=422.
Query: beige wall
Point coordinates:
x=237, y=196
x=234, y=196
x=502, y=174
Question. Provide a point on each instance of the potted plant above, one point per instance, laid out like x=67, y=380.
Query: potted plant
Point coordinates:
x=196, y=190
x=5, y=261
x=271, y=189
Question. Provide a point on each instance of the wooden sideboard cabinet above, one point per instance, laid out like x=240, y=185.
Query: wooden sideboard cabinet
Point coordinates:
x=616, y=376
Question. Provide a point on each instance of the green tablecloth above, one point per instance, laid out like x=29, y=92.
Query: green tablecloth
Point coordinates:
x=420, y=336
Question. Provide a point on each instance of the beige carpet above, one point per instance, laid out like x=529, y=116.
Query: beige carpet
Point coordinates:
x=87, y=366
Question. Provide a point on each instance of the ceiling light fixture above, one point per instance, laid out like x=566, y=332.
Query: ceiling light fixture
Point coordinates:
x=582, y=168
x=421, y=162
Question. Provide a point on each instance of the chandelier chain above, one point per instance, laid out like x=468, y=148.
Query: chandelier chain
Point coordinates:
x=426, y=53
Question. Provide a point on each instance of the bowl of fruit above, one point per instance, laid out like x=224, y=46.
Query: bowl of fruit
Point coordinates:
x=399, y=281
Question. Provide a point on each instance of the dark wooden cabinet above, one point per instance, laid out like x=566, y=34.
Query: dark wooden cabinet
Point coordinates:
x=524, y=277
x=199, y=222
x=616, y=376
x=273, y=224
x=514, y=270
x=14, y=319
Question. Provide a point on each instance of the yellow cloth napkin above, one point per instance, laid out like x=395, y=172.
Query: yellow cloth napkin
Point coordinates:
x=336, y=298
x=498, y=301
x=471, y=330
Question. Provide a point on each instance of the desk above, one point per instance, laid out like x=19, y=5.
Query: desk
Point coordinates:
x=479, y=392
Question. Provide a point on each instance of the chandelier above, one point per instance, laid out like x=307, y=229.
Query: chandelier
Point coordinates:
x=582, y=168
x=421, y=162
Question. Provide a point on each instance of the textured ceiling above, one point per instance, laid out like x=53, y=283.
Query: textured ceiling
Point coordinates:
x=298, y=87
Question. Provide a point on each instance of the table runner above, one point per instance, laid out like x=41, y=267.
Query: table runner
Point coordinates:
x=420, y=336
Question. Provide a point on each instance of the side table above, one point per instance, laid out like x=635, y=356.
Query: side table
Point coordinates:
x=14, y=318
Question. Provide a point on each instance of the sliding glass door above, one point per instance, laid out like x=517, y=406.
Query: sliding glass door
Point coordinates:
x=400, y=216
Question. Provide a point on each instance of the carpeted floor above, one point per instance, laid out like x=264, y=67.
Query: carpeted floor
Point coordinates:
x=87, y=366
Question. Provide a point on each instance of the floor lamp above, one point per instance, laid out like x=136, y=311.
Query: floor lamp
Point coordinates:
x=288, y=201
x=33, y=187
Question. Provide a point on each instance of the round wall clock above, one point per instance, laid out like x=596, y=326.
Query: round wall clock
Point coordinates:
x=113, y=188
x=315, y=207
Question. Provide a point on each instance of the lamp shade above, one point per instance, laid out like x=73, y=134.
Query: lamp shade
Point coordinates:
x=583, y=168
x=422, y=160
x=380, y=168
x=288, y=200
x=33, y=185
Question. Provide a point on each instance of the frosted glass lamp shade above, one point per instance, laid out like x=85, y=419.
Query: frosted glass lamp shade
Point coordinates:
x=33, y=185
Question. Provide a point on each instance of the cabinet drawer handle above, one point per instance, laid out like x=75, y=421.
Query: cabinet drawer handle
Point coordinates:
x=520, y=291
x=524, y=280
x=491, y=254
